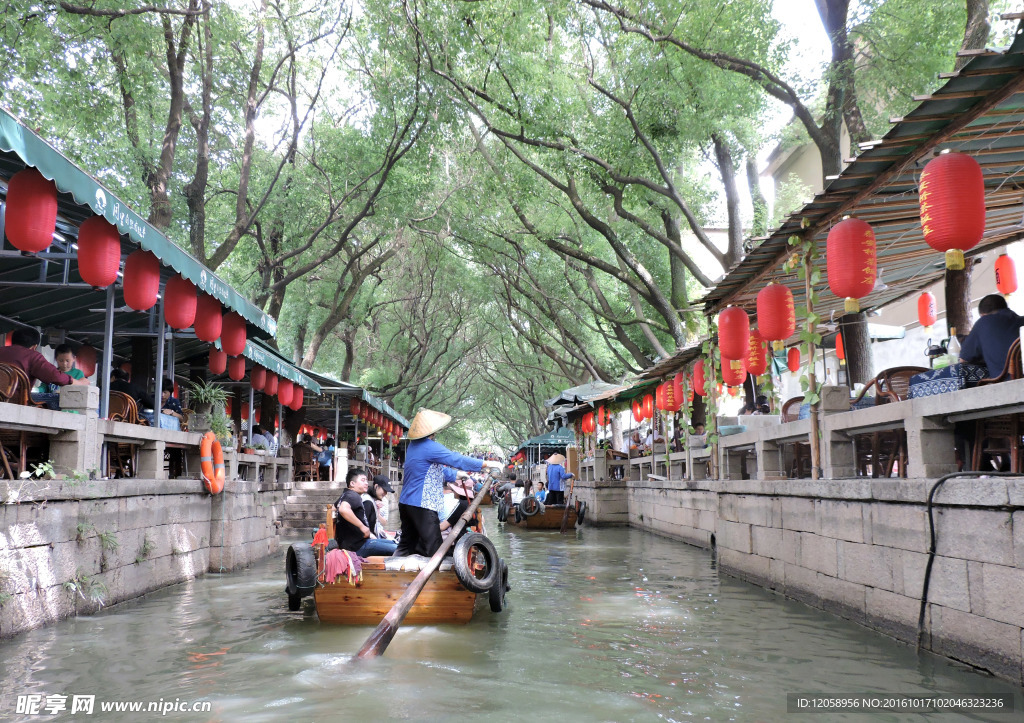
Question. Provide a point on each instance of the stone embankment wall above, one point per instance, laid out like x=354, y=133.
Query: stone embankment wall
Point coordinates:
x=858, y=549
x=69, y=548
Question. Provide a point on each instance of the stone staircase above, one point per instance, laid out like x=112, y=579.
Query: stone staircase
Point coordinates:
x=306, y=506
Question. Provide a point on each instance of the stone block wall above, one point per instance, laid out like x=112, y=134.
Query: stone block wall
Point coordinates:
x=858, y=549
x=69, y=548
x=607, y=501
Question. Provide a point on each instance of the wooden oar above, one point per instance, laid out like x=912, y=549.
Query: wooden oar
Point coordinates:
x=565, y=515
x=379, y=640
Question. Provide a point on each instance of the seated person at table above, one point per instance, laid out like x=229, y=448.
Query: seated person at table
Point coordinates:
x=992, y=335
x=119, y=382
x=169, y=404
x=260, y=437
x=654, y=437
x=23, y=354
x=351, y=528
x=761, y=407
x=65, y=360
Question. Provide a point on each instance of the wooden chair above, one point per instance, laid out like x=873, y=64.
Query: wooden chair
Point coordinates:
x=123, y=408
x=885, y=451
x=999, y=437
x=16, y=387
x=306, y=467
x=186, y=418
x=801, y=450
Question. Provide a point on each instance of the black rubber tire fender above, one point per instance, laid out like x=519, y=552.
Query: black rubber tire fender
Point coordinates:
x=294, y=602
x=581, y=512
x=496, y=595
x=466, y=545
x=529, y=506
x=502, y=511
x=518, y=514
x=300, y=570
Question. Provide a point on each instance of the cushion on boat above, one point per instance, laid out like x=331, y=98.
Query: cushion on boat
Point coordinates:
x=413, y=563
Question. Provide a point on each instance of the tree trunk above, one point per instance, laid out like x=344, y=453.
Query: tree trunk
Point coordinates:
x=976, y=29
x=958, y=300
x=857, y=344
x=616, y=425
x=727, y=171
x=757, y=200
x=699, y=412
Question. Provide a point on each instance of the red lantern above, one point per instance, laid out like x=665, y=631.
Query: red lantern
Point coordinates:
x=638, y=411
x=840, y=349
x=353, y=407
x=271, y=388
x=734, y=372
x=926, y=314
x=757, y=359
x=952, y=193
x=733, y=332
x=1006, y=275
x=245, y=412
x=671, y=399
x=208, y=321
x=141, y=280
x=677, y=385
x=850, y=255
x=236, y=368
x=588, y=422
x=648, y=406
x=659, y=396
x=218, y=361
x=285, y=389
x=734, y=392
x=232, y=334
x=699, y=382
x=256, y=414
x=297, y=394
x=99, y=252
x=227, y=407
x=258, y=378
x=180, y=302
x=85, y=359
x=31, y=211
x=602, y=418
x=793, y=359
x=776, y=315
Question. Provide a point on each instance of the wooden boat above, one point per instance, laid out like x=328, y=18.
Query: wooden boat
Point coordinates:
x=444, y=599
x=549, y=519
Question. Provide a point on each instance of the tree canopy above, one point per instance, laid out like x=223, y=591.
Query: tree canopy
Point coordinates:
x=466, y=206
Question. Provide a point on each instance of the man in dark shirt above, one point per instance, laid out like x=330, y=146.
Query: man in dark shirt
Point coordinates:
x=992, y=335
x=351, y=528
x=23, y=354
x=119, y=383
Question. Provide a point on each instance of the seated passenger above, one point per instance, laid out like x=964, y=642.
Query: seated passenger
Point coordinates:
x=456, y=501
x=64, y=357
x=23, y=354
x=380, y=486
x=992, y=335
x=351, y=528
x=120, y=382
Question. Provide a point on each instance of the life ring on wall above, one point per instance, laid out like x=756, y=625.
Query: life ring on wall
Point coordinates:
x=211, y=458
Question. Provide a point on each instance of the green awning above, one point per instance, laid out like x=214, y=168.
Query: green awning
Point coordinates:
x=34, y=151
x=556, y=438
x=258, y=353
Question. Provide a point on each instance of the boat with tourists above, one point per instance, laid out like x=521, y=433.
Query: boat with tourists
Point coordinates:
x=532, y=514
x=349, y=590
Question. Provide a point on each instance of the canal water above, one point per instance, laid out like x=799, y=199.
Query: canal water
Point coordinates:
x=603, y=625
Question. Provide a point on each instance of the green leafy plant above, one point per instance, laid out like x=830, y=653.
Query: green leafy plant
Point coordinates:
x=203, y=392
x=220, y=425
x=145, y=550
x=5, y=594
x=82, y=530
x=86, y=587
x=108, y=541
x=40, y=470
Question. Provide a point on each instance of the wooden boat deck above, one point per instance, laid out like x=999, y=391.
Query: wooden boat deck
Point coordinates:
x=551, y=519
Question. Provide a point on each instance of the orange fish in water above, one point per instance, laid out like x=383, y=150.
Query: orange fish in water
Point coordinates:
x=201, y=657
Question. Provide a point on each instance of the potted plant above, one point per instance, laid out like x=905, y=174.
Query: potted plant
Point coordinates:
x=259, y=448
x=203, y=396
x=221, y=427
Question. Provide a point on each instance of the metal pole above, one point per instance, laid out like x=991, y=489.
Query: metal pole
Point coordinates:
x=252, y=418
x=159, y=385
x=170, y=359
x=108, y=355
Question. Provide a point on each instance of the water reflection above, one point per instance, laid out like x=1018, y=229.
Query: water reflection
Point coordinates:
x=613, y=625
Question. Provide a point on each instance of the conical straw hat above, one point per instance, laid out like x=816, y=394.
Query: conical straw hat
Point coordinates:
x=556, y=459
x=427, y=422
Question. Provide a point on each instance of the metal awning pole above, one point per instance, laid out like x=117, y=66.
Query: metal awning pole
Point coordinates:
x=170, y=359
x=337, y=420
x=160, y=347
x=103, y=377
x=252, y=418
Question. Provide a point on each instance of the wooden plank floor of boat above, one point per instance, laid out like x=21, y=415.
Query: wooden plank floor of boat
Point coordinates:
x=550, y=520
x=443, y=599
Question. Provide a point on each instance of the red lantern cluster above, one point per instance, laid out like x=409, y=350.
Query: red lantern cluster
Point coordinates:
x=31, y=215
x=1006, y=275
x=850, y=256
x=926, y=313
x=952, y=197
x=99, y=252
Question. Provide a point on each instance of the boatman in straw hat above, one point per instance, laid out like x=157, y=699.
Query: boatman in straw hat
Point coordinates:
x=423, y=480
x=556, y=476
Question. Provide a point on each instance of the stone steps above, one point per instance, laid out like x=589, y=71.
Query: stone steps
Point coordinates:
x=305, y=507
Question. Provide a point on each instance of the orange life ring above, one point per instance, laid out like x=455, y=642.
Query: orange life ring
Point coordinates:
x=211, y=458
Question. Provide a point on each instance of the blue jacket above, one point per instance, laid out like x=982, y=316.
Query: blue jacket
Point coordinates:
x=423, y=475
x=990, y=340
x=556, y=475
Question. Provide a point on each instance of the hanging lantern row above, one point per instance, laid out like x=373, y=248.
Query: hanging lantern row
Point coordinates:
x=389, y=429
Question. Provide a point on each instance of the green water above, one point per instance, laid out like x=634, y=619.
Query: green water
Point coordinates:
x=604, y=625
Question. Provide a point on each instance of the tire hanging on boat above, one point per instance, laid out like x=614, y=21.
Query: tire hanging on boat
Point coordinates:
x=299, y=573
x=502, y=510
x=496, y=595
x=581, y=512
x=530, y=506
x=476, y=545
